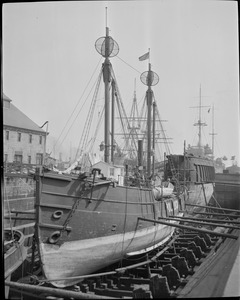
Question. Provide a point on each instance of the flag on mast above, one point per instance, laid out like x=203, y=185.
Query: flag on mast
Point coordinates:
x=144, y=56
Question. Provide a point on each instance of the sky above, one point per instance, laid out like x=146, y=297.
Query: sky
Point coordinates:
x=49, y=57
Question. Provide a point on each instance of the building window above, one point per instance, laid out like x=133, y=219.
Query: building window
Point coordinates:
x=30, y=138
x=29, y=159
x=19, y=136
x=5, y=158
x=7, y=135
x=122, y=172
x=111, y=171
x=39, y=159
x=18, y=158
x=40, y=140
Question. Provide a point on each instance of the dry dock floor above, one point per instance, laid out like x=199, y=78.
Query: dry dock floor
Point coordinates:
x=219, y=275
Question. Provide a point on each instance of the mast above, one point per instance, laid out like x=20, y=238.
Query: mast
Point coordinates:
x=134, y=121
x=134, y=116
x=113, y=116
x=199, y=123
x=107, y=47
x=107, y=79
x=213, y=133
x=199, y=120
x=153, y=142
x=149, y=78
x=149, y=121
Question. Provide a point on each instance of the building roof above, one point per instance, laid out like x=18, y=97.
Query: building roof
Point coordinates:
x=14, y=117
x=233, y=169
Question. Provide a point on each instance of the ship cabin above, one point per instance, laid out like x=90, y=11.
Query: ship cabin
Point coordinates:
x=190, y=168
x=110, y=171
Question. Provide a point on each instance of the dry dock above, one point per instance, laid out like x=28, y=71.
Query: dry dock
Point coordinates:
x=219, y=275
x=227, y=190
x=214, y=273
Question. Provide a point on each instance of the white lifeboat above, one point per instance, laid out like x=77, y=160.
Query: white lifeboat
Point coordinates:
x=163, y=191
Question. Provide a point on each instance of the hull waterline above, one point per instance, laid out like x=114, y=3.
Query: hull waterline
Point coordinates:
x=87, y=256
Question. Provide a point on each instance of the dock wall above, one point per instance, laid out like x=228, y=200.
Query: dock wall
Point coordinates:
x=227, y=189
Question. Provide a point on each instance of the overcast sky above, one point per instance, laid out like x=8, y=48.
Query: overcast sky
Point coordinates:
x=49, y=57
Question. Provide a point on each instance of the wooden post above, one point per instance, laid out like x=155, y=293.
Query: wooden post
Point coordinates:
x=159, y=287
x=53, y=291
x=191, y=228
x=204, y=219
x=215, y=214
x=199, y=222
x=216, y=208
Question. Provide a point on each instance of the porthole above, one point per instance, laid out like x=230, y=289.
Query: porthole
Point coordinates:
x=57, y=214
x=114, y=227
x=54, y=237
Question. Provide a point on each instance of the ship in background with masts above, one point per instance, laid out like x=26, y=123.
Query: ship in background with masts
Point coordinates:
x=200, y=149
x=194, y=169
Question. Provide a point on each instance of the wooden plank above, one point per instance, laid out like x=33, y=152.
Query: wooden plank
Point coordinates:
x=52, y=291
x=191, y=228
x=21, y=226
x=216, y=208
x=53, y=226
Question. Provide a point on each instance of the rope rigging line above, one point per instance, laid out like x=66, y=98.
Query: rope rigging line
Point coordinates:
x=128, y=64
x=85, y=132
x=91, y=113
x=163, y=132
x=97, y=128
x=130, y=143
x=79, y=112
x=90, y=144
x=122, y=112
x=121, y=118
x=65, y=126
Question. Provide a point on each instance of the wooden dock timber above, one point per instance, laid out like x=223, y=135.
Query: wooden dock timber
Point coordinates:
x=211, y=278
x=191, y=228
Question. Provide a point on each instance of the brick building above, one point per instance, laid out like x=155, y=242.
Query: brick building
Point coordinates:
x=23, y=140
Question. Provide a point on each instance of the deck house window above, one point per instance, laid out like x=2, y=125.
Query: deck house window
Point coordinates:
x=200, y=173
x=5, y=158
x=203, y=173
x=29, y=159
x=7, y=135
x=30, y=138
x=197, y=173
x=212, y=174
x=40, y=139
x=208, y=174
x=19, y=136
